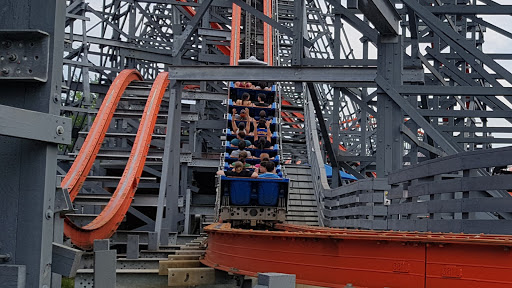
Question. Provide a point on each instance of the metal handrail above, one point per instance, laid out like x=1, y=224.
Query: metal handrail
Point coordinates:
x=316, y=161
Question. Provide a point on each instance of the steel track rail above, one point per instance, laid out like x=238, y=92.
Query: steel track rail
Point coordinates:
x=75, y=178
x=109, y=219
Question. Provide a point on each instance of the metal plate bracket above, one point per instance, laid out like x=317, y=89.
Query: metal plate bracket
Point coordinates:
x=28, y=124
x=24, y=55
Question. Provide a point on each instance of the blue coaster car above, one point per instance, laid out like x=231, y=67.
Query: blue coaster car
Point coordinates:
x=254, y=192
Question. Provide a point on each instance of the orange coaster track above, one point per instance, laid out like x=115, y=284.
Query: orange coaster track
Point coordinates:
x=109, y=219
x=334, y=257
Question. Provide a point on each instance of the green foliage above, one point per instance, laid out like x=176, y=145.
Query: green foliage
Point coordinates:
x=68, y=282
x=79, y=119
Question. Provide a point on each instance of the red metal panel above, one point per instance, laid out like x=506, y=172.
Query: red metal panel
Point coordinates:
x=333, y=257
x=235, y=35
x=267, y=34
x=321, y=261
x=463, y=265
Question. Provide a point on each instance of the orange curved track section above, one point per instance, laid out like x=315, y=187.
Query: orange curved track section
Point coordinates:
x=76, y=175
x=330, y=257
x=109, y=219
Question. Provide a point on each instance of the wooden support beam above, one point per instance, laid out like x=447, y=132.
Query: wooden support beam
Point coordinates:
x=190, y=276
x=191, y=248
x=183, y=257
x=164, y=265
x=189, y=252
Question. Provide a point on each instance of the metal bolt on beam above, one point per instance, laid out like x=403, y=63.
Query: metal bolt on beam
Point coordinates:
x=48, y=214
x=60, y=130
x=7, y=44
x=5, y=258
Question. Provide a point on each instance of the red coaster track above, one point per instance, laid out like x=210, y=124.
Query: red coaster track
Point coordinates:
x=109, y=219
x=334, y=257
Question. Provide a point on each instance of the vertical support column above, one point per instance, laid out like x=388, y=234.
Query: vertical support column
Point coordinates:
x=152, y=241
x=183, y=188
x=335, y=136
x=104, y=265
x=336, y=105
x=188, y=198
x=130, y=62
x=28, y=167
x=235, y=35
x=58, y=235
x=299, y=26
x=192, y=133
x=364, y=115
x=267, y=34
x=248, y=31
x=115, y=33
x=177, y=29
x=415, y=62
x=132, y=247
x=413, y=153
x=164, y=237
x=169, y=185
x=205, y=24
x=85, y=69
x=390, y=117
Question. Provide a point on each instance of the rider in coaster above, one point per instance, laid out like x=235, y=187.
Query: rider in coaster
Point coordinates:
x=270, y=172
x=242, y=125
x=263, y=157
x=242, y=157
x=260, y=170
x=241, y=147
x=244, y=115
x=263, y=114
x=238, y=171
x=263, y=135
x=261, y=101
x=245, y=101
x=240, y=136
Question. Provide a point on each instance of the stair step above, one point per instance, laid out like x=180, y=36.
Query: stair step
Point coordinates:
x=298, y=166
x=295, y=191
x=302, y=197
x=304, y=213
x=291, y=171
x=308, y=223
x=302, y=203
x=302, y=178
x=298, y=184
x=302, y=190
x=301, y=218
